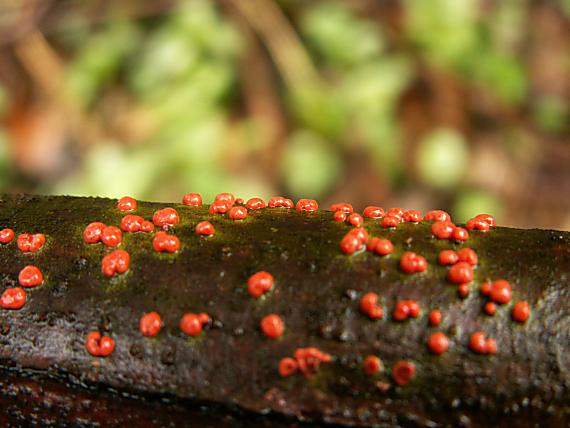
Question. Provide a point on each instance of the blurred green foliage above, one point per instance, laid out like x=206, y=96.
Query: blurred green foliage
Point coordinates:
x=179, y=76
x=442, y=158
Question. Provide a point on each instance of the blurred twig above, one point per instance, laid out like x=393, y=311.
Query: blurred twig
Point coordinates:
x=283, y=44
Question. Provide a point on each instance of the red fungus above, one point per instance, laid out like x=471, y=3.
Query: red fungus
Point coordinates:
x=272, y=326
x=259, y=283
x=13, y=298
x=150, y=324
x=192, y=199
x=126, y=203
x=30, y=276
x=30, y=243
x=98, y=345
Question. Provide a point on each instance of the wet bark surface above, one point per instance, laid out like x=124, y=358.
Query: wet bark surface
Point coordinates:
x=229, y=373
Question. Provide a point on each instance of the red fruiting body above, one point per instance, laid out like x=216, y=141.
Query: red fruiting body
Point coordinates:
x=390, y=221
x=438, y=343
x=13, y=298
x=413, y=216
x=372, y=365
x=355, y=219
x=339, y=216
x=165, y=218
x=6, y=236
x=485, y=289
x=99, y=346
x=191, y=325
x=205, y=228
x=287, y=367
x=477, y=224
x=468, y=255
x=350, y=243
x=521, y=311
x=406, y=309
x=383, y=247
x=487, y=218
x=219, y=207
x=401, y=312
x=491, y=346
x=127, y=203
x=255, y=204
x=307, y=205
x=414, y=308
x=28, y=243
x=238, y=213
x=500, y=292
x=163, y=242
x=227, y=198
x=396, y=212
x=435, y=317
x=192, y=199
x=259, y=283
x=93, y=231
x=111, y=236
x=131, y=223
x=373, y=212
x=272, y=326
x=369, y=306
x=403, y=372
x=463, y=290
x=490, y=308
x=342, y=206
x=477, y=342
x=412, y=262
x=371, y=243
x=460, y=273
x=442, y=229
x=115, y=262
x=437, y=215
x=482, y=345
x=147, y=226
x=309, y=360
x=360, y=233
x=150, y=324
x=280, y=202
x=447, y=257
x=204, y=318
x=460, y=234
x=30, y=276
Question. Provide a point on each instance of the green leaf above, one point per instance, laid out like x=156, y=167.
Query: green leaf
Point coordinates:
x=551, y=114
x=319, y=108
x=340, y=36
x=310, y=166
x=445, y=29
x=503, y=75
x=99, y=61
x=442, y=158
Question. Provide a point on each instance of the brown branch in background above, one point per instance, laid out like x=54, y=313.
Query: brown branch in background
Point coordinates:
x=283, y=44
x=47, y=15
x=258, y=86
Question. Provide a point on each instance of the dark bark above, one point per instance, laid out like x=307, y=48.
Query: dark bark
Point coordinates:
x=232, y=369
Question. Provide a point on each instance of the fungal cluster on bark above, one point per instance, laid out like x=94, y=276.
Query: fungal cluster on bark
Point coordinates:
x=460, y=264
x=367, y=308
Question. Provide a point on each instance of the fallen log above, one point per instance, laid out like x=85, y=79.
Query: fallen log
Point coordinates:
x=224, y=370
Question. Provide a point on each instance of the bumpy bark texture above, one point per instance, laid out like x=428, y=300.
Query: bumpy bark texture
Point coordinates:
x=228, y=376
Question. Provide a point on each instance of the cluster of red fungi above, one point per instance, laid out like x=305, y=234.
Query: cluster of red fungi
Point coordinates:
x=460, y=272
x=30, y=276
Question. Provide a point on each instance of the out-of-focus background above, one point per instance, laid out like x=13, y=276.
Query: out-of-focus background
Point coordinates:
x=461, y=105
